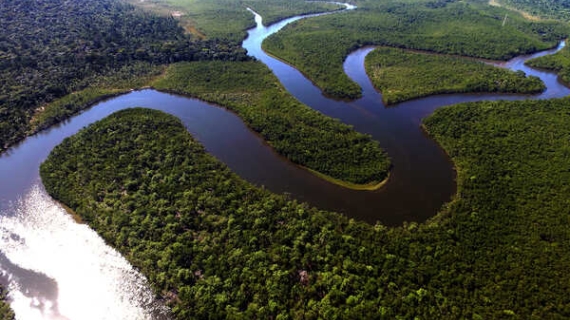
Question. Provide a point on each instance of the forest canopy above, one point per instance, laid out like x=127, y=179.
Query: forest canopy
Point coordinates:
x=49, y=49
x=318, y=46
x=547, y=9
x=215, y=246
x=304, y=136
x=6, y=312
x=403, y=75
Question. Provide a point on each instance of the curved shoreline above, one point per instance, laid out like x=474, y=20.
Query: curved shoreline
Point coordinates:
x=387, y=204
x=19, y=165
x=347, y=100
x=372, y=186
x=368, y=103
x=472, y=68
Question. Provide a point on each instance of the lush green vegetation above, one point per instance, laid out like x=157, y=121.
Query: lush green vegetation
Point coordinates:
x=511, y=217
x=318, y=46
x=6, y=312
x=403, y=75
x=130, y=77
x=550, y=9
x=304, y=136
x=215, y=246
x=212, y=244
x=229, y=19
x=559, y=62
x=49, y=49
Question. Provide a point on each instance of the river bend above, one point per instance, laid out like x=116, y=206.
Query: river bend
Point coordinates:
x=55, y=268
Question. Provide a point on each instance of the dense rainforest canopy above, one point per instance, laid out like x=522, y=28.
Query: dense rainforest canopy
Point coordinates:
x=50, y=48
x=101, y=49
x=547, y=9
x=318, y=46
x=304, y=136
x=403, y=75
x=215, y=246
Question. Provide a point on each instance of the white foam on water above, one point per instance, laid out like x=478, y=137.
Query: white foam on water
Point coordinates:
x=59, y=269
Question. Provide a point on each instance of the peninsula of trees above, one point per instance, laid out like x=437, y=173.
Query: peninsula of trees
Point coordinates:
x=49, y=49
x=403, y=75
x=318, y=46
x=304, y=136
x=558, y=62
x=215, y=246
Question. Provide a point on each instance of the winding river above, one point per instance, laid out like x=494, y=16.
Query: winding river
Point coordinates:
x=55, y=268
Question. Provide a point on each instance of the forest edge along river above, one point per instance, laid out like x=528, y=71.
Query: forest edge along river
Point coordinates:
x=55, y=268
x=421, y=171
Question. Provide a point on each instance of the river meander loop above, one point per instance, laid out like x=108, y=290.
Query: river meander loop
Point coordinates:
x=55, y=268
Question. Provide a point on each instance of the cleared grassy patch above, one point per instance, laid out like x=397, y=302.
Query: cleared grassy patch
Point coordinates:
x=229, y=19
x=546, y=9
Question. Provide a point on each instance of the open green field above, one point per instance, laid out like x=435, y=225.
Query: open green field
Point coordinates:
x=403, y=75
x=499, y=250
x=304, y=136
x=559, y=62
x=318, y=46
x=229, y=19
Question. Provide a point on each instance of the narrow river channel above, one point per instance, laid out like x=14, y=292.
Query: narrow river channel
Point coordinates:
x=55, y=268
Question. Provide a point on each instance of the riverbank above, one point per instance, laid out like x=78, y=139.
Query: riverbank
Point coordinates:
x=558, y=62
x=211, y=212
x=374, y=185
x=317, y=47
x=6, y=313
x=302, y=135
x=401, y=75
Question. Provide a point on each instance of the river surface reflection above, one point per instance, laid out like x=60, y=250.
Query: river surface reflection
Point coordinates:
x=55, y=268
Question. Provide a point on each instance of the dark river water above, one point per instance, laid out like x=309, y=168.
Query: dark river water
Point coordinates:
x=55, y=268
